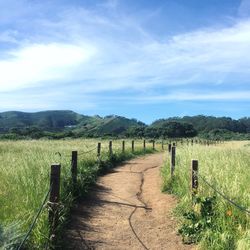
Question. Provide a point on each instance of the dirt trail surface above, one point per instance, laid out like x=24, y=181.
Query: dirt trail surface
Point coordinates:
x=126, y=210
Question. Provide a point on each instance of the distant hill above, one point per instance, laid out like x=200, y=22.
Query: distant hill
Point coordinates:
x=45, y=120
x=109, y=125
x=65, y=120
x=66, y=123
x=203, y=123
x=210, y=127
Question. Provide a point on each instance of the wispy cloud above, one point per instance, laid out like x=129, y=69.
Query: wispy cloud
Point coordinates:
x=188, y=96
x=244, y=8
x=97, y=50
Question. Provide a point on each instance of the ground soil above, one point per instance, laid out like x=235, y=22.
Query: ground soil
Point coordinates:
x=127, y=210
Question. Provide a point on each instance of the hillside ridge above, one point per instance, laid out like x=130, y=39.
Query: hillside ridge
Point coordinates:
x=75, y=124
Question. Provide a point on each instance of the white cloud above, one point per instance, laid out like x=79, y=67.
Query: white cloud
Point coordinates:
x=36, y=63
x=214, y=56
x=100, y=52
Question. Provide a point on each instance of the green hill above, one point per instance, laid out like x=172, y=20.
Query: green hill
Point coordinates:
x=110, y=125
x=66, y=123
x=23, y=123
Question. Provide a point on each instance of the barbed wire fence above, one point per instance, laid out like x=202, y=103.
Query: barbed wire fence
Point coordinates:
x=51, y=197
x=225, y=197
x=69, y=159
x=43, y=205
x=195, y=175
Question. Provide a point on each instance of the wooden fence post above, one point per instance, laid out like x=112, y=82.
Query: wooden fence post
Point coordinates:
x=123, y=146
x=133, y=146
x=162, y=145
x=169, y=148
x=74, y=167
x=99, y=150
x=144, y=145
x=153, y=144
x=110, y=148
x=194, y=177
x=54, y=200
x=172, y=161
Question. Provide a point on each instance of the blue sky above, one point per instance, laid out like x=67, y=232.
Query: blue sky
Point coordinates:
x=142, y=59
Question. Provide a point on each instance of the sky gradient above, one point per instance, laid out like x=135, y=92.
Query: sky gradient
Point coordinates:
x=142, y=59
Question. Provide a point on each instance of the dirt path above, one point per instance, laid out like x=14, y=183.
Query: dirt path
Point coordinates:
x=126, y=210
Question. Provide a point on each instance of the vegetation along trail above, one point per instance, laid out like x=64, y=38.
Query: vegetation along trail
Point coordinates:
x=126, y=210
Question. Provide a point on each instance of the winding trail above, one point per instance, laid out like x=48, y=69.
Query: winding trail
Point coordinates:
x=126, y=210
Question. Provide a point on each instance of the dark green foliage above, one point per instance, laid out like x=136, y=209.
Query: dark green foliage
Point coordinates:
x=214, y=128
x=196, y=222
x=173, y=129
x=136, y=131
x=204, y=124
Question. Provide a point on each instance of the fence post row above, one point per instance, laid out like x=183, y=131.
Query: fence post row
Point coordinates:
x=54, y=200
x=123, y=146
x=133, y=146
x=110, y=148
x=172, y=161
x=194, y=177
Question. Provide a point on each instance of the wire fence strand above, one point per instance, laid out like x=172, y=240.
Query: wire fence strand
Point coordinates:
x=35, y=219
x=69, y=155
x=89, y=151
x=243, y=209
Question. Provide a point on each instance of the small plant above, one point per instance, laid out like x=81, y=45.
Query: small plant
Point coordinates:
x=198, y=220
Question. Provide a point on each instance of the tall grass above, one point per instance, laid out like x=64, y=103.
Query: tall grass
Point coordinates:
x=25, y=173
x=227, y=168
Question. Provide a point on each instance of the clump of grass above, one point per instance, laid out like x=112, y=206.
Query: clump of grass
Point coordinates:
x=10, y=236
x=226, y=167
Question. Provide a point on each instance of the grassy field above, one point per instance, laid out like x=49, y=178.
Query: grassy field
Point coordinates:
x=24, y=174
x=210, y=220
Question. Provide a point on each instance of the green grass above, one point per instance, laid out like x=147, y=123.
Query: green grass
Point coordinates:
x=212, y=222
x=24, y=175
